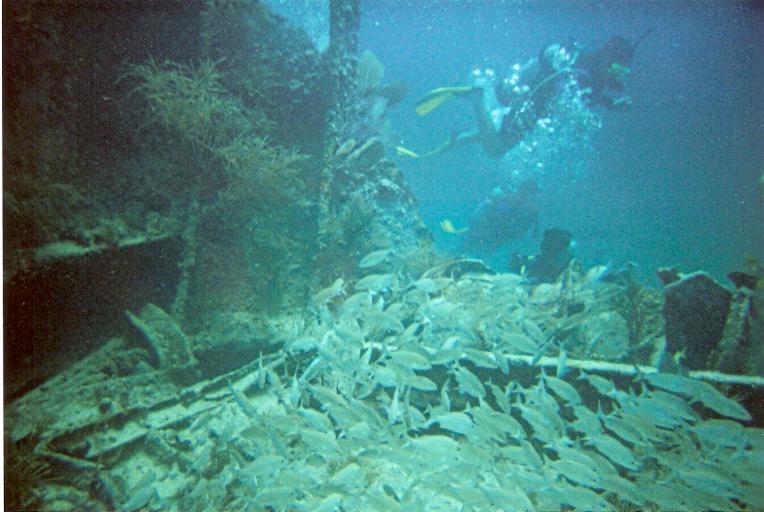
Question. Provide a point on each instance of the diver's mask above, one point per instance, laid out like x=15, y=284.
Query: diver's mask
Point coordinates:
x=619, y=71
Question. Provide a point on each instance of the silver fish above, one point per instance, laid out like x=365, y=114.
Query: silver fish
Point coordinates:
x=469, y=383
x=375, y=283
x=480, y=359
x=615, y=451
x=330, y=292
x=420, y=383
x=410, y=359
x=712, y=398
x=374, y=258
x=457, y=422
x=563, y=389
x=348, y=478
x=577, y=473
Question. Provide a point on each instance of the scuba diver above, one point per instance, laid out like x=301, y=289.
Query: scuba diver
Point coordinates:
x=504, y=216
x=507, y=109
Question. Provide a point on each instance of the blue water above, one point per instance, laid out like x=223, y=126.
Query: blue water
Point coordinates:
x=674, y=181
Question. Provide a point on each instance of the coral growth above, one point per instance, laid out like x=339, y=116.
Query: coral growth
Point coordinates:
x=230, y=141
x=639, y=306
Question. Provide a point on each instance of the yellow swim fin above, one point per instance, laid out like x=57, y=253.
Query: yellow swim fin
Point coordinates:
x=401, y=151
x=447, y=226
x=437, y=97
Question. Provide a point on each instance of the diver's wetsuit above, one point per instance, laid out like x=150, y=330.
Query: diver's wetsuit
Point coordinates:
x=495, y=129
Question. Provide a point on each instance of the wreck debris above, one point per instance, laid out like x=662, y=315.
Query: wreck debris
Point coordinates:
x=695, y=312
x=733, y=353
x=165, y=339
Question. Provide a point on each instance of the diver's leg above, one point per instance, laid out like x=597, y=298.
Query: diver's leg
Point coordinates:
x=482, y=112
x=474, y=93
x=459, y=139
x=465, y=137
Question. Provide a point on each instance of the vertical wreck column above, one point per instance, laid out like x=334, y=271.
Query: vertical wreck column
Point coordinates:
x=188, y=260
x=344, y=22
x=340, y=62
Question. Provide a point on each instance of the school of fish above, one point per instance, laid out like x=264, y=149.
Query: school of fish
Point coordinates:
x=395, y=394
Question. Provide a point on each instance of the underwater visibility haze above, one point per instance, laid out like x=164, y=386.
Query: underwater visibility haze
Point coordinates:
x=345, y=255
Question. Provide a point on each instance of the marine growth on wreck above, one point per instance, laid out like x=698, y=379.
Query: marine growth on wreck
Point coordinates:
x=221, y=293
